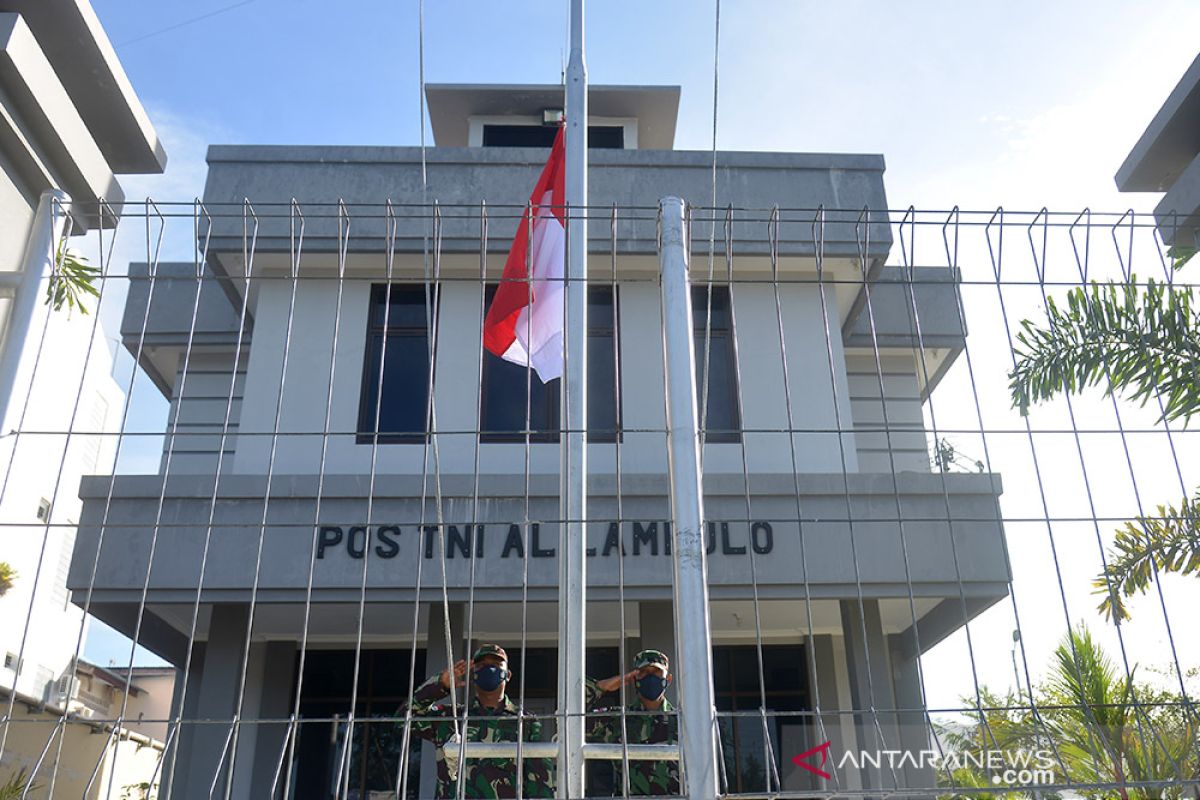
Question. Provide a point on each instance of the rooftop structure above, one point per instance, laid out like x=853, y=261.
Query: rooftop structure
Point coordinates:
x=1166, y=158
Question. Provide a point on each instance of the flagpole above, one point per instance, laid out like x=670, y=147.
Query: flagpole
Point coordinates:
x=572, y=585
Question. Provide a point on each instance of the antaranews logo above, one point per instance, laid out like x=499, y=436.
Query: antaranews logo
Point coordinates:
x=1017, y=767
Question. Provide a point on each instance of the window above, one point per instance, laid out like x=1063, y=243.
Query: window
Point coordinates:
x=510, y=390
x=43, y=510
x=605, y=137
x=373, y=763
x=398, y=334
x=737, y=688
x=722, y=422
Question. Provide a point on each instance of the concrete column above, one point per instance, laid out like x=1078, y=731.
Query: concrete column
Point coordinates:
x=435, y=661
x=914, y=726
x=656, y=621
x=178, y=758
x=827, y=725
x=270, y=680
x=871, y=686
x=218, y=693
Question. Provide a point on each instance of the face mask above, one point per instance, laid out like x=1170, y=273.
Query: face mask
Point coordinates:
x=489, y=678
x=651, y=686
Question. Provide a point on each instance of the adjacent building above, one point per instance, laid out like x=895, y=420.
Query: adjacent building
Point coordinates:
x=307, y=513
x=1166, y=158
x=70, y=124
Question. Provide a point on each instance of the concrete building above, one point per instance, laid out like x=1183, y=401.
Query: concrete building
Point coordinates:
x=285, y=499
x=98, y=695
x=70, y=123
x=1166, y=158
x=94, y=762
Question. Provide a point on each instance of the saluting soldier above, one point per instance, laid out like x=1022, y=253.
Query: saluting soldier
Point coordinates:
x=649, y=719
x=492, y=717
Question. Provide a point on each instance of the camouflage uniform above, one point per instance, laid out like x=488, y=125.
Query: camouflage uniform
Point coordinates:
x=485, y=777
x=642, y=726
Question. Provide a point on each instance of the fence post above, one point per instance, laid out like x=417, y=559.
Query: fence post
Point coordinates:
x=694, y=662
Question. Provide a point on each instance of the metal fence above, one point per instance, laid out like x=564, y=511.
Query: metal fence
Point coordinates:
x=311, y=489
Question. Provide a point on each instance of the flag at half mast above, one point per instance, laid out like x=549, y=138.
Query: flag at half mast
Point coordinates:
x=524, y=324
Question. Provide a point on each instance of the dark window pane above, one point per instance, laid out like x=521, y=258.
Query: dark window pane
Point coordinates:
x=610, y=137
x=722, y=421
x=398, y=335
x=512, y=395
x=736, y=685
x=508, y=388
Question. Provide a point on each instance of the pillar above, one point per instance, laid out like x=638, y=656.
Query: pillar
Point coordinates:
x=871, y=689
x=223, y=658
x=435, y=661
x=270, y=682
x=827, y=722
x=177, y=759
x=913, y=724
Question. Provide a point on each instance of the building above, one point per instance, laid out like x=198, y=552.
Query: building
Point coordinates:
x=97, y=695
x=1166, y=158
x=70, y=124
x=295, y=516
x=94, y=761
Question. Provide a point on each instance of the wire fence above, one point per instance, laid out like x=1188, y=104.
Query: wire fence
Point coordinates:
x=275, y=456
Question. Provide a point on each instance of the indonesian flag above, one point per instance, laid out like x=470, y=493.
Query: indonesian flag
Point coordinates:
x=525, y=322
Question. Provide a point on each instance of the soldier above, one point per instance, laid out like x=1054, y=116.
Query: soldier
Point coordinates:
x=649, y=719
x=492, y=717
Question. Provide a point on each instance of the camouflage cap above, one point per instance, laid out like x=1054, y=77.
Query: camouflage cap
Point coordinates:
x=647, y=657
x=489, y=650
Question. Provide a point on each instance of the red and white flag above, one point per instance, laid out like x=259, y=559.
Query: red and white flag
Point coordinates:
x=524, y=324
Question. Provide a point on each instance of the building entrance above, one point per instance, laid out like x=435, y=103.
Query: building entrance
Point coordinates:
x=752, y=747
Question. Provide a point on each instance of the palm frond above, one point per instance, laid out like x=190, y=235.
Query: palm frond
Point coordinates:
x=1138, y=341
x=1169, y=542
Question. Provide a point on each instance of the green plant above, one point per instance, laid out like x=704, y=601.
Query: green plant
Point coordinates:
x=1170, y=541
x=1142, y=342
x=73, y=278
x=1095, y=725
x=16, y=786
x=7, y=576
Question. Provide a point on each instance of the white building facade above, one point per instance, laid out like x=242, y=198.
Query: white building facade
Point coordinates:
x=309, y=512
x=70, y=123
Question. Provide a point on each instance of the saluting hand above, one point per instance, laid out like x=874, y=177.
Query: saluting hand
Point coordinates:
x=614, y=683
x=460, y=671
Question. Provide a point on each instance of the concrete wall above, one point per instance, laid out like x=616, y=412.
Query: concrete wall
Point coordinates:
x=837, y=558
x=122, y=763
x=887, y=418
x=72, y=390
x=462, y=178
x=301, y=403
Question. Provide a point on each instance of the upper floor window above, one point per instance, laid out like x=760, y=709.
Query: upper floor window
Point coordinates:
x=722, y=423
x=609, y=137
x=513, y=394
x=397, y=341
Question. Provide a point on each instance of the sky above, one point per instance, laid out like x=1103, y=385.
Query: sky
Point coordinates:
x=1019, y=104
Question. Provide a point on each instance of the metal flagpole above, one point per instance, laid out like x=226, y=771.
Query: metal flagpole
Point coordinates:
x=698, y=719
x=573, y=469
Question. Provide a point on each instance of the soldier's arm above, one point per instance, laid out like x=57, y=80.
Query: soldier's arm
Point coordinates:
x=424, y=703
x=592, y=694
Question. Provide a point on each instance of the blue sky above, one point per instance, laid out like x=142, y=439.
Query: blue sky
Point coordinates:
x=951, y=94
x=1020, y=104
